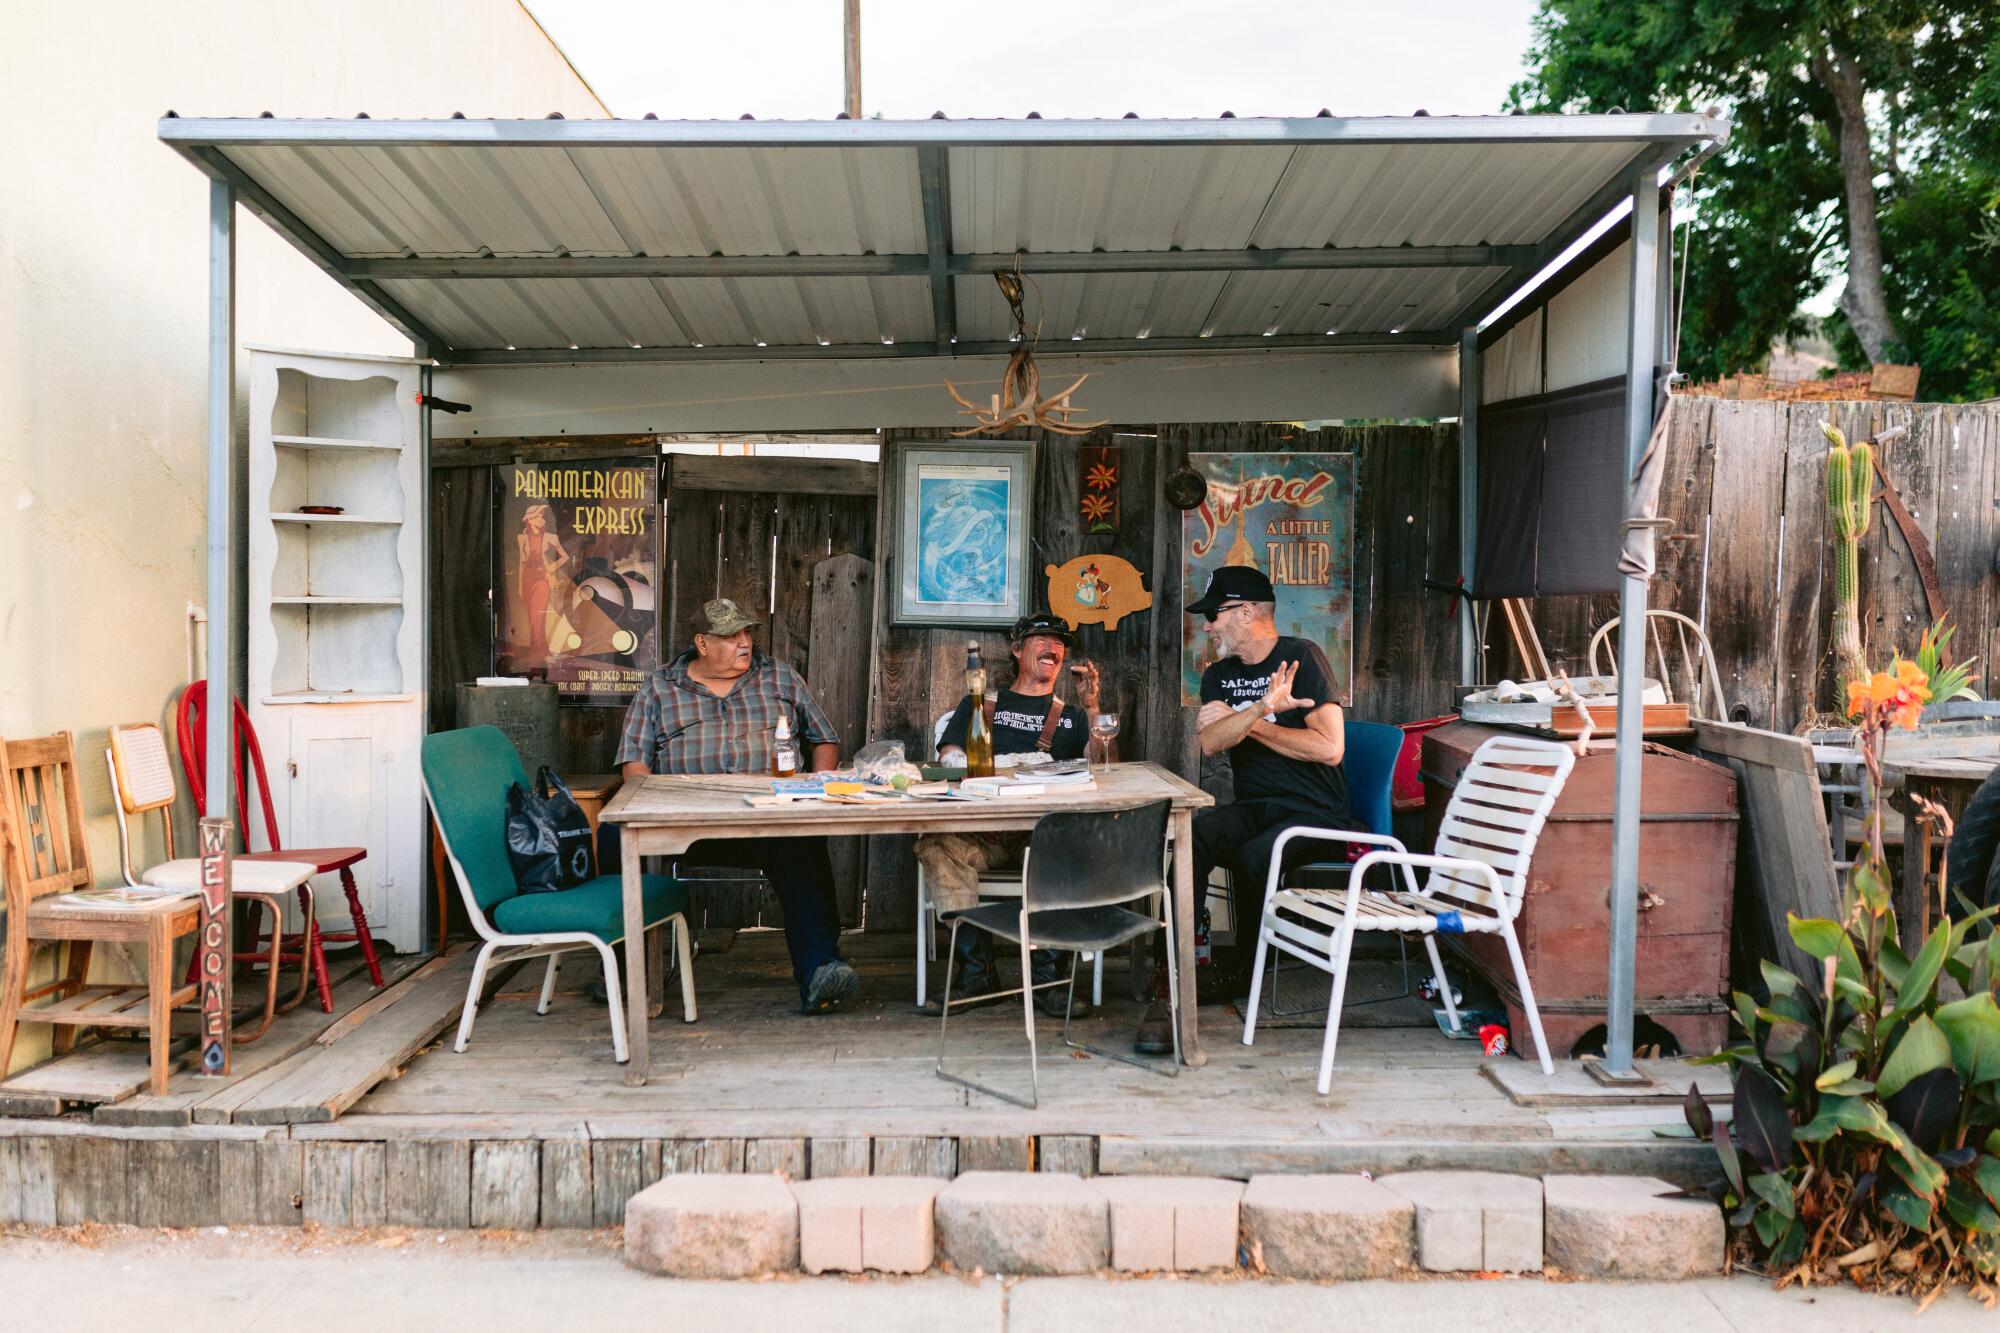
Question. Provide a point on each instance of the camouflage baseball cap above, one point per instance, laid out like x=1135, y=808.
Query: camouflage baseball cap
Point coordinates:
x=723, y=617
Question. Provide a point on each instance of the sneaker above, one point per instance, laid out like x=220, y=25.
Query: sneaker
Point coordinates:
x=832, y=984
x=1156, y=1030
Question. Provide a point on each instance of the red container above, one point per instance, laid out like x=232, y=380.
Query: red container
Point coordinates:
x=1406, y=787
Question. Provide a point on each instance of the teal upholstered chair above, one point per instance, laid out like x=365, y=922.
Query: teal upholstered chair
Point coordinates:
x=466, y=777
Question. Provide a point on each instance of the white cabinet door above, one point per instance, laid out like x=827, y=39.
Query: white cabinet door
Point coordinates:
x=335, y=779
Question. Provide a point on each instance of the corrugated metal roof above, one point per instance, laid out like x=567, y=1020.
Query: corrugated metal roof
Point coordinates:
x=604, y=240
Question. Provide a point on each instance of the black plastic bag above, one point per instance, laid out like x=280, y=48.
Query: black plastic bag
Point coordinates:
x=548, y=839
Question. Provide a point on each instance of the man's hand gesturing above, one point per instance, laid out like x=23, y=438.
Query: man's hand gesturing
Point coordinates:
x=1278, y=698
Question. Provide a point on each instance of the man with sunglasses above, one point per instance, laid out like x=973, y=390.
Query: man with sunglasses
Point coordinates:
x=1266, y=701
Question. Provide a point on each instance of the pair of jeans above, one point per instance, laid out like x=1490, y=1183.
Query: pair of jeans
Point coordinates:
x=1242, y=837
x=798, y=870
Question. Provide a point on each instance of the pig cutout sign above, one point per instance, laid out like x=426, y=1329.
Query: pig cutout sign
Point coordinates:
x=1096, y=590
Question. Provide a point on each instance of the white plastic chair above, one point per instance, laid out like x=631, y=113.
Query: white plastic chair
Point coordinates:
x=997, y=883
x=1695, y=651
x=1477, y=878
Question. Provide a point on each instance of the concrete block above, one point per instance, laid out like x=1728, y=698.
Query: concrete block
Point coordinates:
x=1341, y=1227
x=1473, y=1221
x=860, y=1223
x=1620, y=1227
x=1031, y=1222
x=713, y=1226
x=1184, y=1223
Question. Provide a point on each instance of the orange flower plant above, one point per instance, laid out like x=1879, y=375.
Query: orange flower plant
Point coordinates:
x=1879, y=702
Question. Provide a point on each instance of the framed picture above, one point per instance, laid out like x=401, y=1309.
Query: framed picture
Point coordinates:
x=962, y=533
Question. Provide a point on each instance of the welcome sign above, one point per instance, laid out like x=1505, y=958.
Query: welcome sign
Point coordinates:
x=1291, y=516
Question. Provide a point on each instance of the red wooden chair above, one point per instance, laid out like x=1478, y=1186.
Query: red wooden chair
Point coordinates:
x=190, y=727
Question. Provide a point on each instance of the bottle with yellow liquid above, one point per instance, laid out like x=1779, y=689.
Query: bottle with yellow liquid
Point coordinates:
x=978, y=738
x=784, y=754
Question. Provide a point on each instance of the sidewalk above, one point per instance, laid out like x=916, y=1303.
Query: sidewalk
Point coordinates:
x=281, y=1281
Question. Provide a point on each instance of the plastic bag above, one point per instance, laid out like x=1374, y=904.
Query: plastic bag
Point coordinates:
x=548, y=838
x=882, y=762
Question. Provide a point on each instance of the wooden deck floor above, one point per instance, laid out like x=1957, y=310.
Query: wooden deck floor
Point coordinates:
x=368, y=1117
x=753, y=1066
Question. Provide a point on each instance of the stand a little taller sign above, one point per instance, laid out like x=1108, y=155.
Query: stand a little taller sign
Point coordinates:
x=1292, y=516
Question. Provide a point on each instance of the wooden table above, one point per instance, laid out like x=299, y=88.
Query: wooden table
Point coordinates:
x=1948, y=773
x=664, y=816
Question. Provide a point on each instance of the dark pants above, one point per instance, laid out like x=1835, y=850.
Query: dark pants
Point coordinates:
x=798, y=871
x=1241, y=838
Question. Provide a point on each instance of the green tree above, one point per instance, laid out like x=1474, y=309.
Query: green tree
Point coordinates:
x=1863, y=152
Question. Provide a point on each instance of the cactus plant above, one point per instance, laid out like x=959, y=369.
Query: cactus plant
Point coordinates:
x=1850, y=503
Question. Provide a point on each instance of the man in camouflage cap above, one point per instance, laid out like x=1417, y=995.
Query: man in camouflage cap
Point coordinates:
x=715, y=709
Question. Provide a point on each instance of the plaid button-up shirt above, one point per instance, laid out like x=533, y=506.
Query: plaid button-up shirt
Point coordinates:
x=675, y=725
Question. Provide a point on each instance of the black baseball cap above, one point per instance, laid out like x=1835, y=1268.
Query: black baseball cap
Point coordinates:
x=1232, y=584
x=1041, y=622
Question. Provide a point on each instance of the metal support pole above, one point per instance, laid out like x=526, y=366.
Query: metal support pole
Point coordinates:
x=213, y=945
x=1620, y=984
x=221, y=401
x=1468, y=499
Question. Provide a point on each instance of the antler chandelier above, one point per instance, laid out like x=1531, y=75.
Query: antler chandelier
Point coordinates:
x=1019, y=402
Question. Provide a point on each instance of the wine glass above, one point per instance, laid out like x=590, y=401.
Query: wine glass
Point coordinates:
x=1103, y=729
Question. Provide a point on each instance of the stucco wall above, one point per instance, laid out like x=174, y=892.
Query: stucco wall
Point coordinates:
x=103, y=289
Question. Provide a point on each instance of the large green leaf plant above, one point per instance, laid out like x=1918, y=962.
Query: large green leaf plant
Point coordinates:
x=1865, y=1137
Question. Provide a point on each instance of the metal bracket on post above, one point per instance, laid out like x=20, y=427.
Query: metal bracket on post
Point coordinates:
x=213, y=954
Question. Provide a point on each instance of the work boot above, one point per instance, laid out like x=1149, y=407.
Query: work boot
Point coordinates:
x=974, y=977
x=833, y=983
x=1049, y=965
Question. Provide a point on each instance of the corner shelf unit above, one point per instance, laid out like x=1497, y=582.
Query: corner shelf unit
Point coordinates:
x=335, y=632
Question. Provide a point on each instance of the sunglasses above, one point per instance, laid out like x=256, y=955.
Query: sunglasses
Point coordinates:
x=1210, y=617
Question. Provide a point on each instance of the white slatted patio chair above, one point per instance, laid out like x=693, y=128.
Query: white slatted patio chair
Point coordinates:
x=1475, y=885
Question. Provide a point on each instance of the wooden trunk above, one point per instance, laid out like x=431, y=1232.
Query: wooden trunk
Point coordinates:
x=1687, y=868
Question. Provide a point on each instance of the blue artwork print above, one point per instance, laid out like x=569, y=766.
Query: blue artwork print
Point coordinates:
x=962, y=535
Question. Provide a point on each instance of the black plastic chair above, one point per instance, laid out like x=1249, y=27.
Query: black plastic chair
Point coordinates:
x=1078, y=873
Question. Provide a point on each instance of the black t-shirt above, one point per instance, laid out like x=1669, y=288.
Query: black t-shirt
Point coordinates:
x=1017, y=726
x=1261, y=773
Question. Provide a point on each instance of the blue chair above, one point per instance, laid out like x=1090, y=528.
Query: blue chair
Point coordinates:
x=466, y=777
x=1370, y=765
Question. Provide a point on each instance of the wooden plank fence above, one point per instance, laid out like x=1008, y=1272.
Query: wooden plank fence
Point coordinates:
x=1749, y=556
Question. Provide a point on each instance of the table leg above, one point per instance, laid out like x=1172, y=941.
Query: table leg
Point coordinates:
x=1184, y=914
x=636, y=1034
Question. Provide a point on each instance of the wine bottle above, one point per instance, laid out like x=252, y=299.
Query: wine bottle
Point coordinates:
x=978, y=738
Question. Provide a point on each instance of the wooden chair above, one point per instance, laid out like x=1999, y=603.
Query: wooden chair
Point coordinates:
x=190, y=726
x=47, y=859
x=142, y=779
x=1477, y=880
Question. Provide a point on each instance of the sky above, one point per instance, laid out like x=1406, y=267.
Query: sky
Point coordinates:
x=781, y=59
